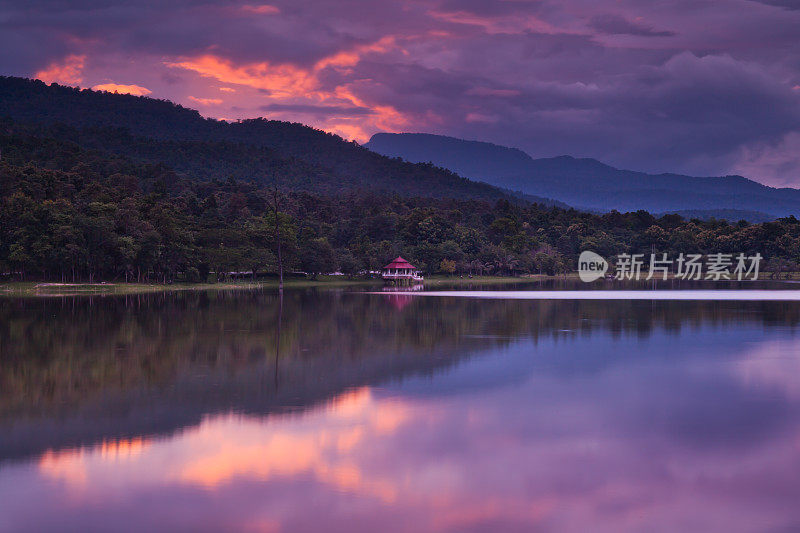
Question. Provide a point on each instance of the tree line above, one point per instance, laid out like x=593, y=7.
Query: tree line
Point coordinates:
x=114, y=219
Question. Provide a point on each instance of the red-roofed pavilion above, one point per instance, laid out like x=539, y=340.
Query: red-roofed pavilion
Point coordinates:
x=401, y=270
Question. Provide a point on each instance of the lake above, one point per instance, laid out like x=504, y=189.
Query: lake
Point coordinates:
x=339, y=410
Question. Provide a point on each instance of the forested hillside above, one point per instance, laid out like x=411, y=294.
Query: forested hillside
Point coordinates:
x=67, y=213
x=157, y=131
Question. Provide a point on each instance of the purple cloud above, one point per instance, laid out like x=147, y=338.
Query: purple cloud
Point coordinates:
x=617, y=25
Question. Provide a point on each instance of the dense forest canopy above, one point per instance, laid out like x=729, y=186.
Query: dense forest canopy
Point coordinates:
x=91, y=200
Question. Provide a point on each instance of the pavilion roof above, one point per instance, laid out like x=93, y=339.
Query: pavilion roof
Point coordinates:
x=399, y=263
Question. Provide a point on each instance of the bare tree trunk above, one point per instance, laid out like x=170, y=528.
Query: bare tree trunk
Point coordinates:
x=278, y=237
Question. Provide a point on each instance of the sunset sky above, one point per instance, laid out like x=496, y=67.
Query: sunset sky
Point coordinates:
x=701, y=87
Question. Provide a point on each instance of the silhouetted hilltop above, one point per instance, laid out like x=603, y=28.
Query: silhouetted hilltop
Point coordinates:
x=588, y=183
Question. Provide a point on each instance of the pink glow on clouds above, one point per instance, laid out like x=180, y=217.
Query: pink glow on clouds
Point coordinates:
x=263, y=9
x=205, y=101
x=68, y=71
x=292, y=84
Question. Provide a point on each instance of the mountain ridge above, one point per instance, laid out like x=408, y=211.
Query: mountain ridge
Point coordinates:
x=588, y=183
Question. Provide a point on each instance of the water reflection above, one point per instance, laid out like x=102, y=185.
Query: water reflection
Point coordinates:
x=224, y=411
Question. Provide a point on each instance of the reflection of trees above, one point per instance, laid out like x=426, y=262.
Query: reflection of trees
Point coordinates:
x=65, y=350
x=205, y=352
x=80, y=370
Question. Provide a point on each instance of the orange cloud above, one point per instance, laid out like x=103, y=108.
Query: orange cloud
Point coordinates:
x=67, y=72
x=227, y=89
x=292, y=84
x=350, y=58
x=135, y=90
x=383, y=118
x=205, y=101
x=263, y=9
x=278, y=80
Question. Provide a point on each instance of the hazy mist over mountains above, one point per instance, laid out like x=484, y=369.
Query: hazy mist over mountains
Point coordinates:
x=591, y=184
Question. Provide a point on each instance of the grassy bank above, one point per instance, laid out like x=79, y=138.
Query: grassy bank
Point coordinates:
x=438, y=281
x=16, y=289
x=70, y=289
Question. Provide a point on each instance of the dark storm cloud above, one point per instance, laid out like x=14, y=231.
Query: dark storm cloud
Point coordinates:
x=697, y=86
x=689, y=113
x=491, y=9
x=786, y=4
x=181, y=28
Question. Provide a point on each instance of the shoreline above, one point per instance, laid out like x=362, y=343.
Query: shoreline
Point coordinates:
x=20, y=289
x=16, y=289
x=46, y=289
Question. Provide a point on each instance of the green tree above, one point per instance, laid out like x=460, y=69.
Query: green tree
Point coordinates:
x=447, y=266
x=317, y=256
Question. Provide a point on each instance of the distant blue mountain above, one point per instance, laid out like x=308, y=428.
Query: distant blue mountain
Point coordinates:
x=590, y=184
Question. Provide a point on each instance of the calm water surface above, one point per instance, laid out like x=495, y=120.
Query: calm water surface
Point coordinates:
x=342, y=411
